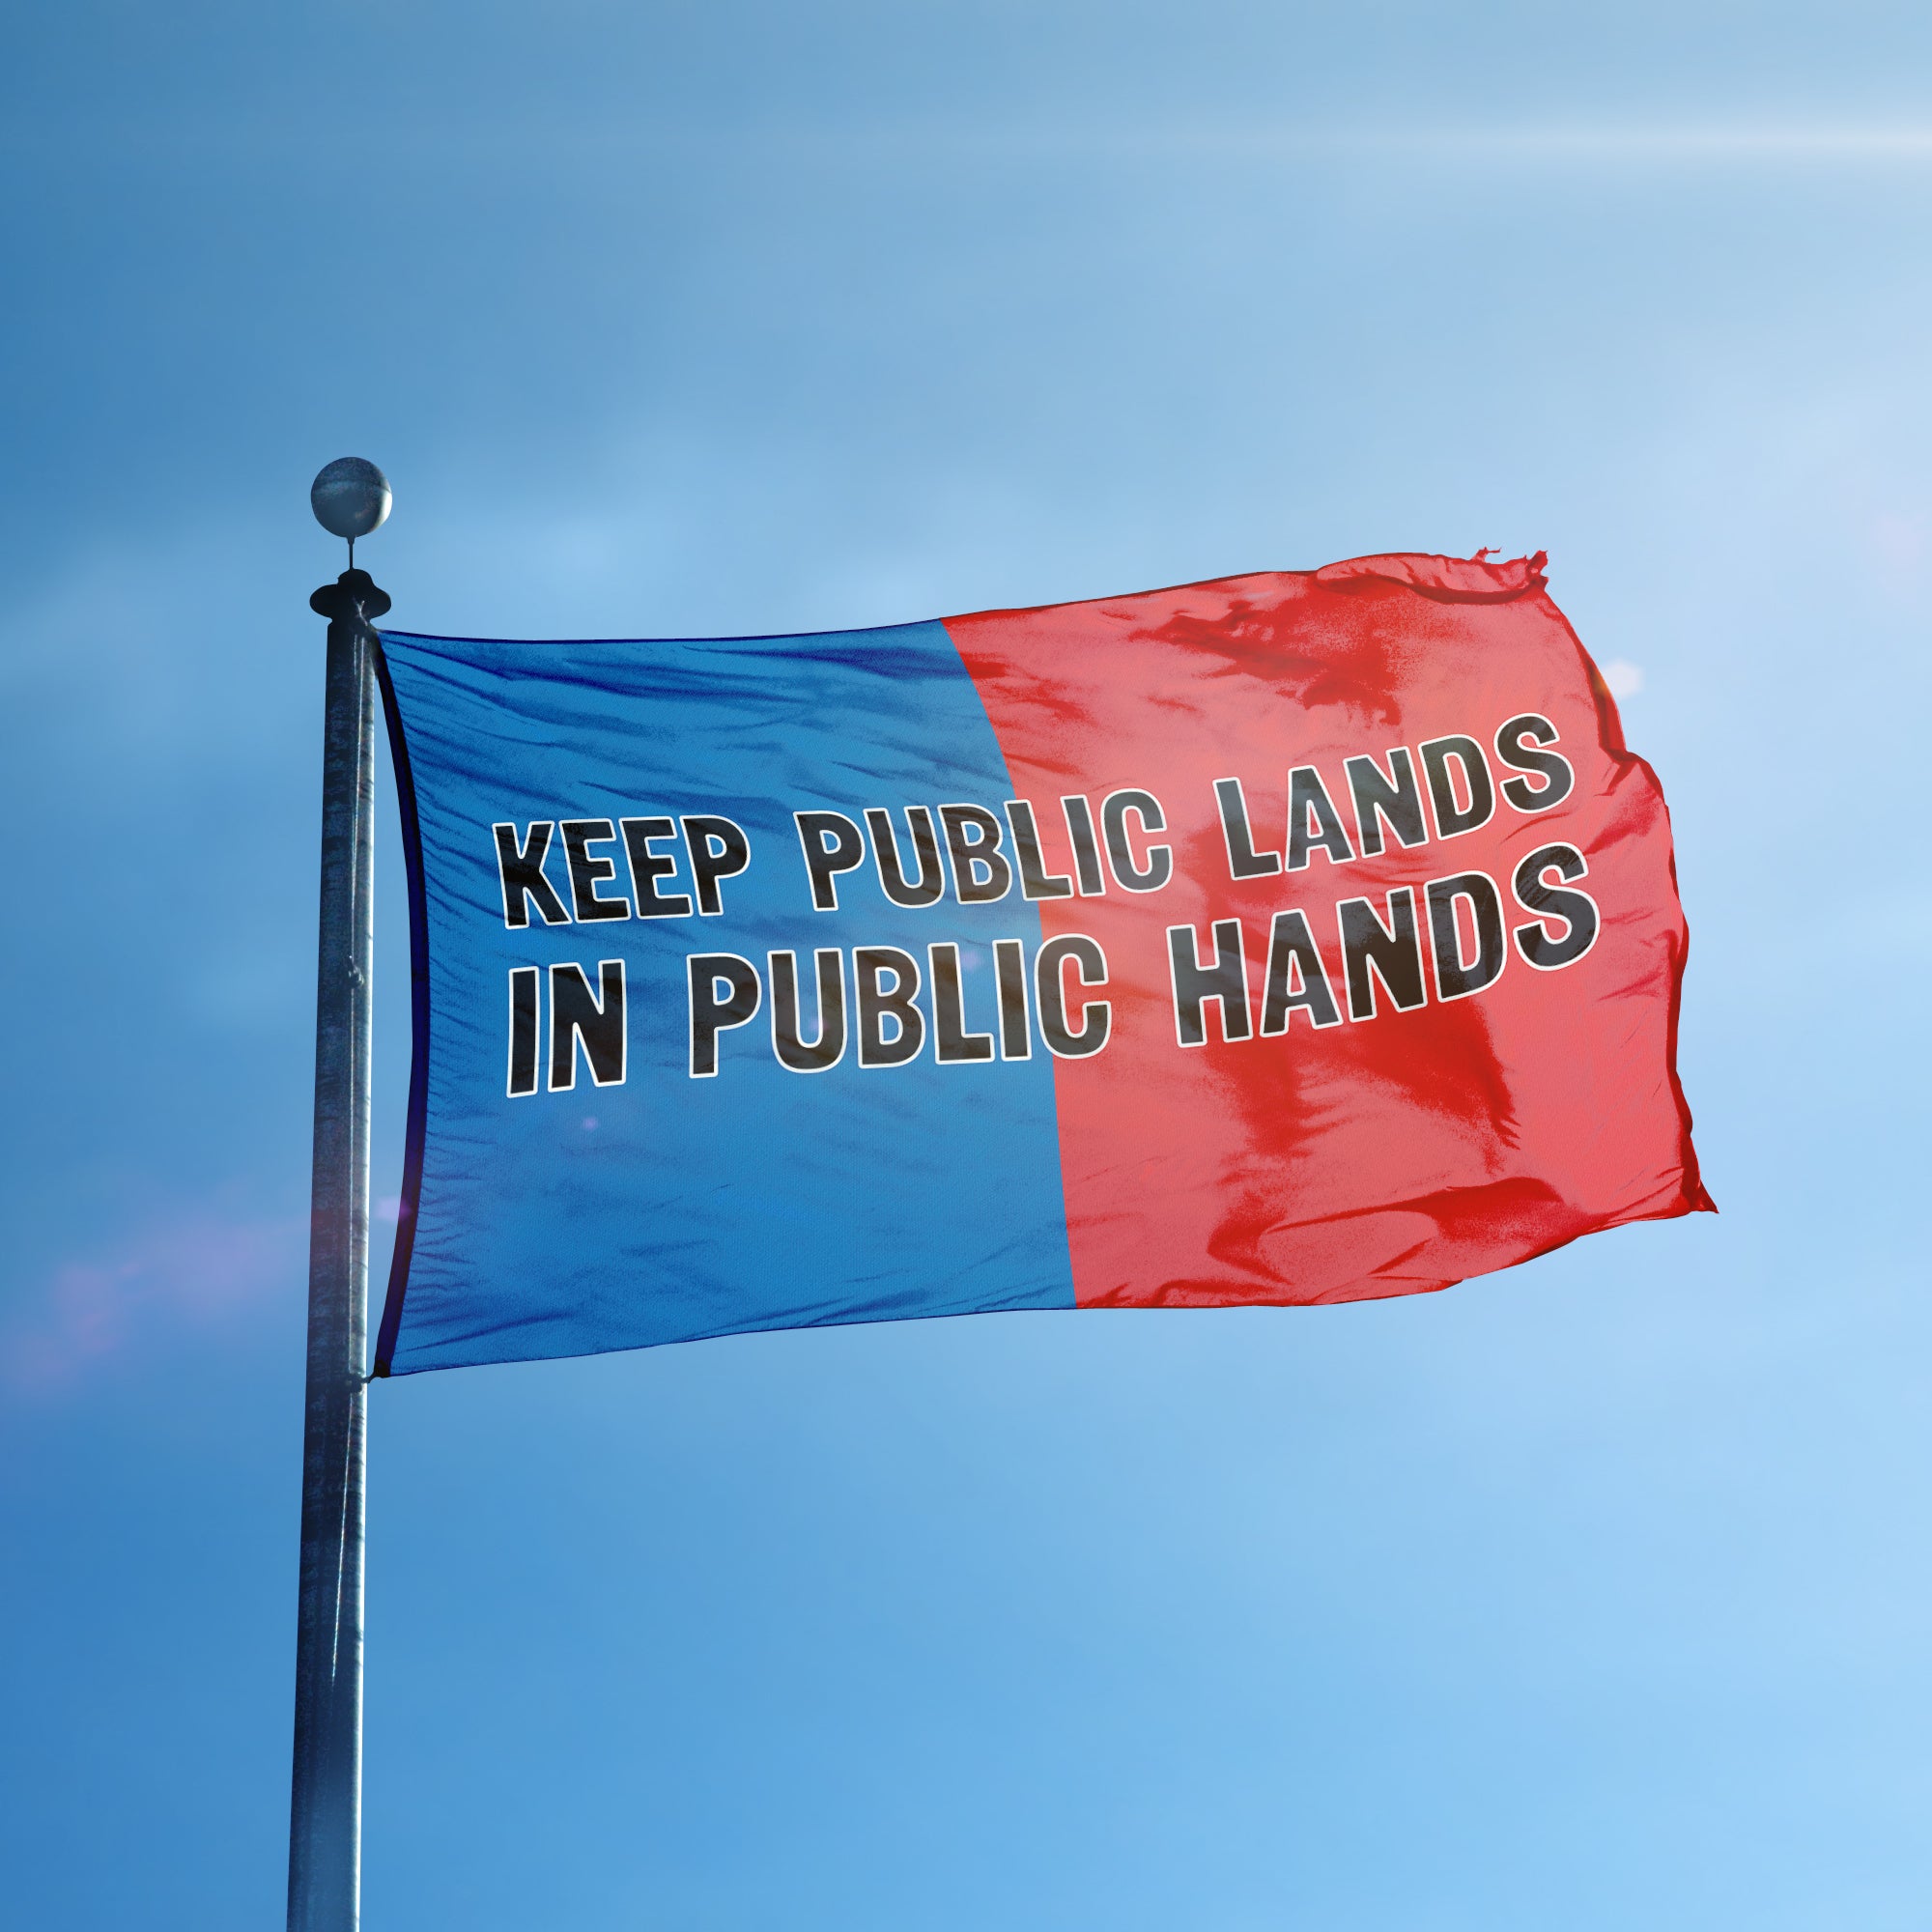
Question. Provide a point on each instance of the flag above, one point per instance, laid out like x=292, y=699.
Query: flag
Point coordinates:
x=1298, y=937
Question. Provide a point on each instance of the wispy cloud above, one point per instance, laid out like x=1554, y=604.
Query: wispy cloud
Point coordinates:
x=189, y=1270
x=1668, y=142
x=1639, y=144
x=540, y=142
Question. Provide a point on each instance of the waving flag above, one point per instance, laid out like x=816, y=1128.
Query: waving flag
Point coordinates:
x=1291, y=938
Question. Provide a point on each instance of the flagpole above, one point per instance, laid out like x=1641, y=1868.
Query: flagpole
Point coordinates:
x=350, y=497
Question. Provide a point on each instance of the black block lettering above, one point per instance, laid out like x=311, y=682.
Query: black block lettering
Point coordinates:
x=1392, y=795
x=1578, y=910
x=1090, y=969
x=975, y=855
x=716, y=850
x=1010, y=970
x=1295, y=977
x=1036, y=881
x=1128, y=875
x=878, y=1003
x=833, y=844
x=589, y=871
x=1452, y=819
x=1225, y=982
x=923, y=891
x=1243, y=861
x=526, y=986
x=711, y=1014
x=1456, y=978
x=1313, y=820
x=951, y=1044
x=519, y=871
x=787, y=1042
x=1372, y=950
x=647, y=867
x=1553, y=769
x=1085, y=849
x=599, y=1023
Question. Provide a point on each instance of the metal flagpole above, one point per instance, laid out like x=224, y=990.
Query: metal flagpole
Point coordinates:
x=351, y=497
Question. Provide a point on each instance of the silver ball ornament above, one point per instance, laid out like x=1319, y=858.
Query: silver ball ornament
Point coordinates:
x=350, y=497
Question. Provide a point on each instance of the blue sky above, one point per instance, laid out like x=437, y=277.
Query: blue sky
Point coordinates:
x=1591, y=1594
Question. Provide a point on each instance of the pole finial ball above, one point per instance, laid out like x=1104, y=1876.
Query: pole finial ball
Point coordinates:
x=350, y=497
